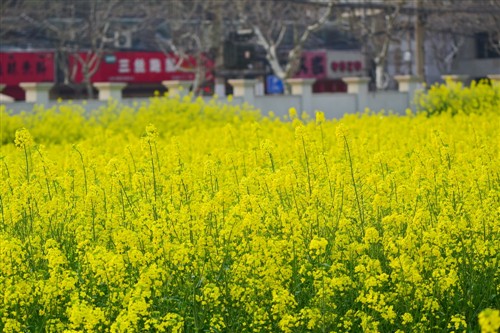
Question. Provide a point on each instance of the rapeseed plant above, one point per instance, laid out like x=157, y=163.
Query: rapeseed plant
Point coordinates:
x=184, y=216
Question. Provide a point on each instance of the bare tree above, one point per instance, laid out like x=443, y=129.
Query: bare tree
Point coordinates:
x=91, y=33
x=493, y=23
x=446, y=31
x=445, y=46
x=96, y=21
x=58, y=30
x=450, y=23
x=197, y=27
x=377, y=25
x=200, y=27
x=193, y=31
x=25, y=24
x=270, y=20
x=78, y=29
x=9, y=19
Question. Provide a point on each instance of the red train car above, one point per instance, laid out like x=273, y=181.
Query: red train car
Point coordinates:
x=17, y=67
x=142, y=70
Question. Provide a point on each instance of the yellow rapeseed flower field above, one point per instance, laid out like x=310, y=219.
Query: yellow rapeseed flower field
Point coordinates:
x=185, y=216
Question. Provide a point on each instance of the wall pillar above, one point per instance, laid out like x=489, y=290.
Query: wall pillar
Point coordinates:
x=492, y=77
x=260, y=87
x=244, y=88
x=37, y=92
x=110, y=90
x=359, y=86
x=455, y=78
x=410, y=84
x=177, y=88
x=220, y=87
x=304, y=89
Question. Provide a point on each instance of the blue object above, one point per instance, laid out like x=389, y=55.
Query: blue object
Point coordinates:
x=274, y=85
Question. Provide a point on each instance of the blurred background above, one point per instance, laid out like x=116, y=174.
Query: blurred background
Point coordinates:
x=76, y=43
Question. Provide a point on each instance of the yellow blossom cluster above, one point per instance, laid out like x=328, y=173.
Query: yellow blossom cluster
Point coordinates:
x=189, y=216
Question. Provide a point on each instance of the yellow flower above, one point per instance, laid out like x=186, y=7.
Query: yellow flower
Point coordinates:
x=12, y=325
x=320, y=117
x=232, y=221
x=341, y=131
x=151, y=131
x=489, y=320
x=407, y=318
x=23, y=138
x=371, y=235
x=318, y=246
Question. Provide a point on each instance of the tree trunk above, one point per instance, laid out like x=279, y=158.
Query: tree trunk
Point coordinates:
x=90, y=90
x=379, y=74
x=199, y=74
x=275, y=66
x=88, y=83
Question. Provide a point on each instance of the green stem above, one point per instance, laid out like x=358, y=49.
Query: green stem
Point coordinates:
x=360, y=209
x=307, y=166
x=27, y=164
x=46, y=175
x=83, y=166
x=153, y=169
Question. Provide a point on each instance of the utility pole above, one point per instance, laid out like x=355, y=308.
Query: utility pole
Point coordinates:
x=419, y=40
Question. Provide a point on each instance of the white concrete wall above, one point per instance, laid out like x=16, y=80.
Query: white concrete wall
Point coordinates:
x=334, y=105
x=279, y=105
x=234, y=100
x=477, y=67
x=388, y=101
x=87, y=105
